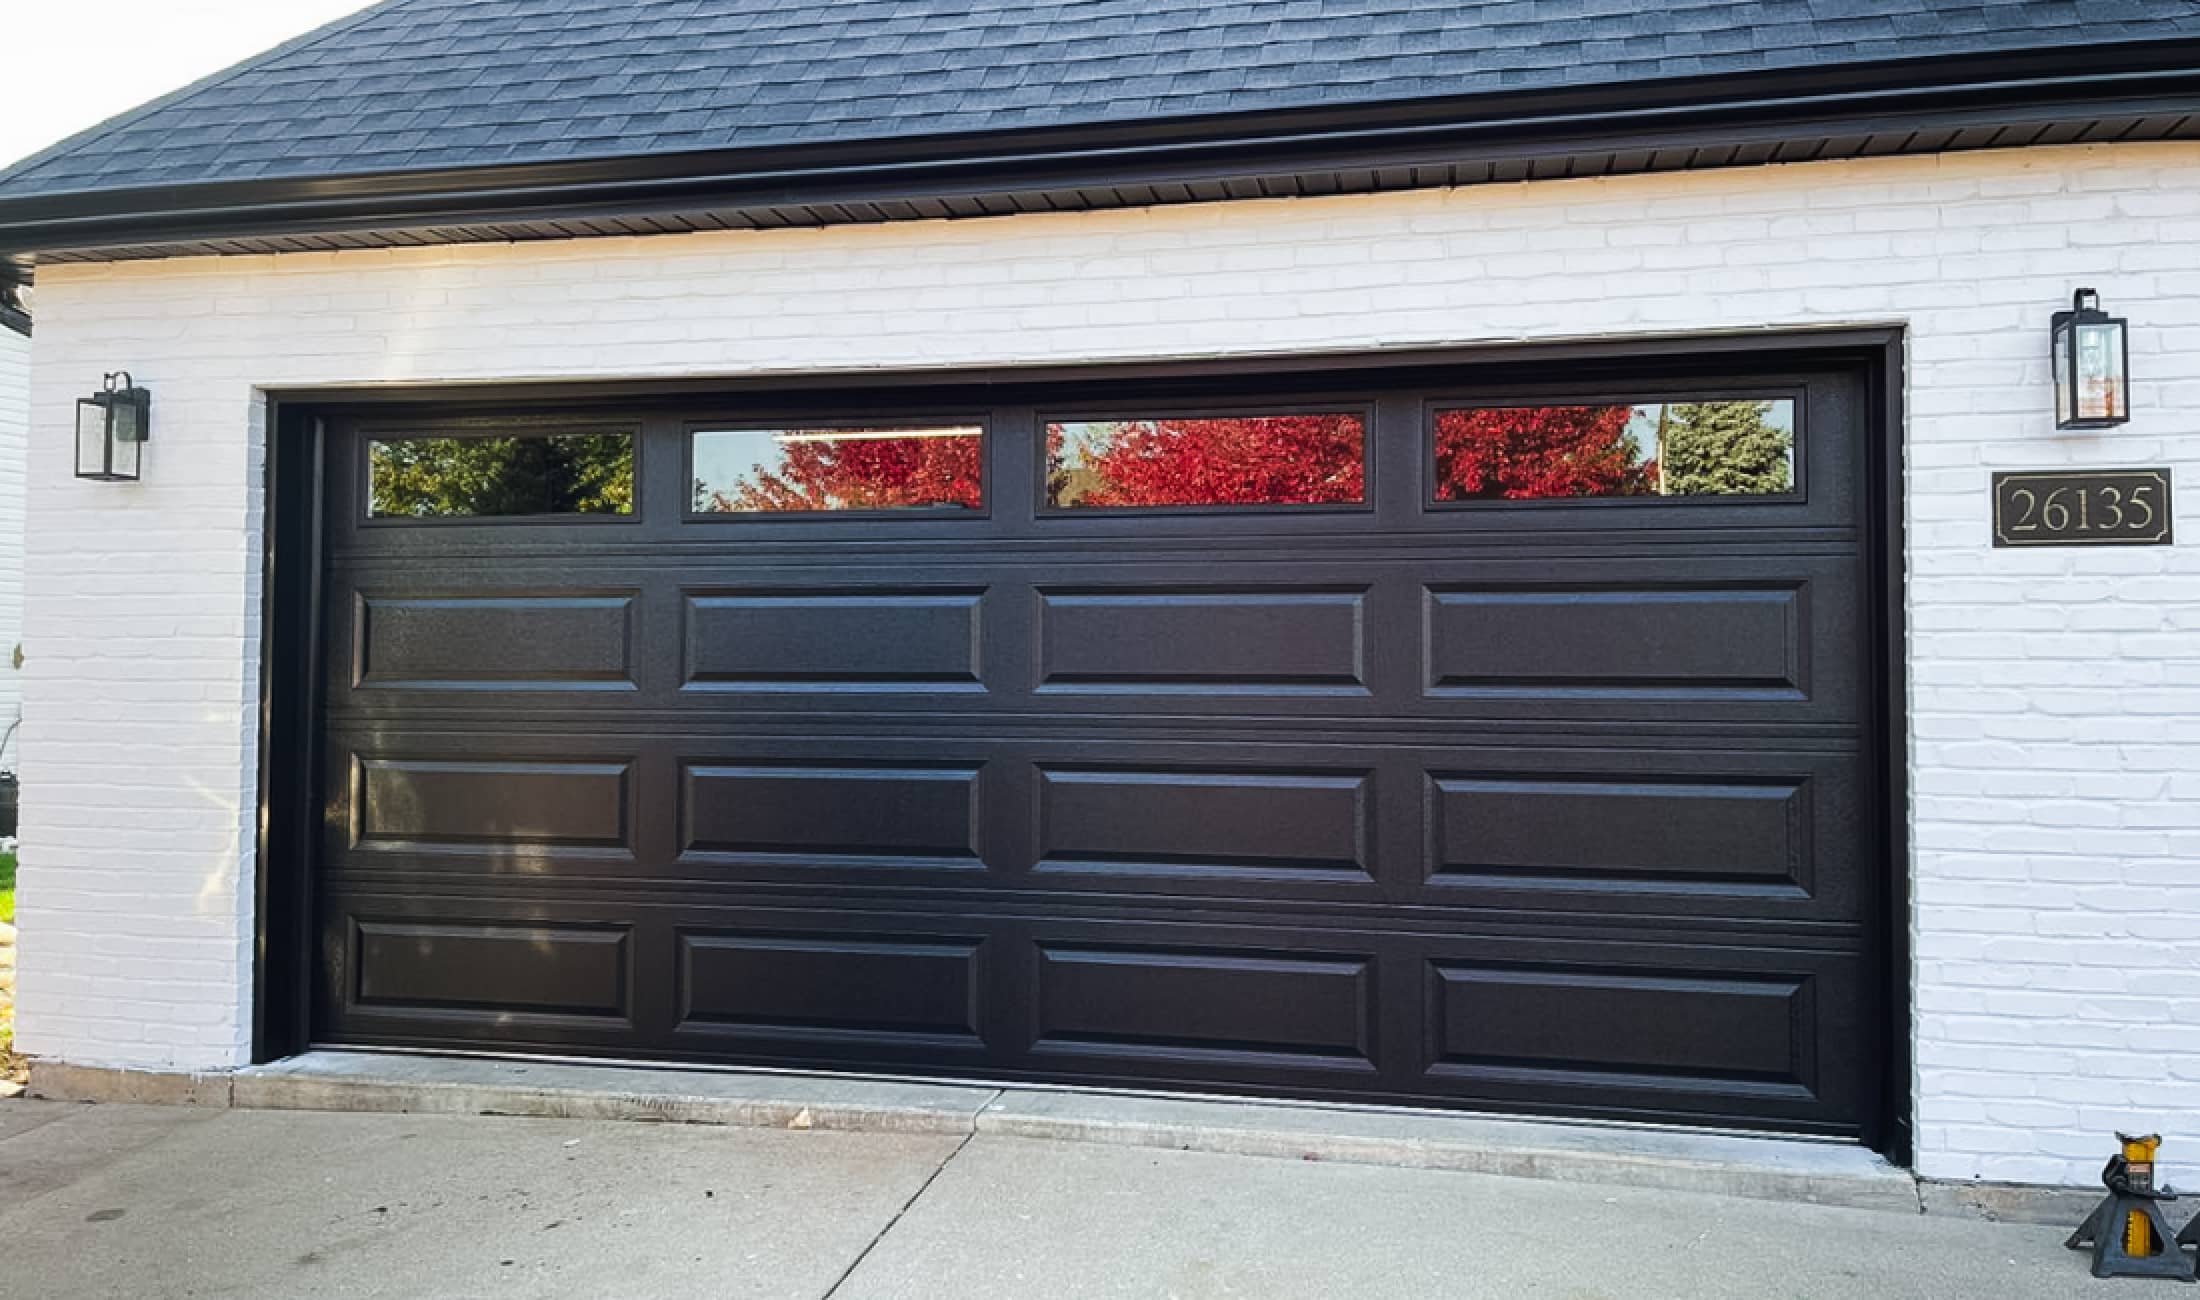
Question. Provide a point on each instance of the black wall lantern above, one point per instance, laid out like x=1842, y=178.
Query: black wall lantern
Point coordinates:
x=111, y=428
x=2092, y=365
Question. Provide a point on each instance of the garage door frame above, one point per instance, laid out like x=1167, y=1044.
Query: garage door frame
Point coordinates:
x=291, y=652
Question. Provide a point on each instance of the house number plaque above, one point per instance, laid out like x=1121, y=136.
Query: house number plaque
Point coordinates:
x=2089, y=507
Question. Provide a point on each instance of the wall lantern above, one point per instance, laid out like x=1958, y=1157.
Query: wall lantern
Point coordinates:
x=2092, y=365
x=111, y=428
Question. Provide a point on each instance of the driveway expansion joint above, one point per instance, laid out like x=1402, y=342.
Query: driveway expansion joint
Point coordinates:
x=888, y=1226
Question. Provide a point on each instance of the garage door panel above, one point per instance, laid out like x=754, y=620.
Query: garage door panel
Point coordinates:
x=1626, y=1025
x=919, y=640
x=1488, y=825
x=1566, y=1021
x=1717, y=834
x=1205, y=1006
x=1158, y=639
x=490, y=804
x=1689, y=639
x=869, y=811
x=777, y=990
x=1230, y=824
x=487, y=971
x=1729, y=641
x=512, y=640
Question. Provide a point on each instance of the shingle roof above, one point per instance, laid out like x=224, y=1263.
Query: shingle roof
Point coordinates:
x=430, y=84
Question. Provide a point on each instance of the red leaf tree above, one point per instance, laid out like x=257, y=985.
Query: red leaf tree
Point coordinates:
x=862, y=473
x=1259, y=460
x=1526, y=452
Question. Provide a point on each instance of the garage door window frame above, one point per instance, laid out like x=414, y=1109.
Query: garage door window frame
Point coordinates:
x=1148, y=410
x=989, y=437
x=1630, y=395
x=518, y=426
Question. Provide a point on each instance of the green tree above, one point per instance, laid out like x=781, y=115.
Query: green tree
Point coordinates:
x=428, y=478
x=1724, y=449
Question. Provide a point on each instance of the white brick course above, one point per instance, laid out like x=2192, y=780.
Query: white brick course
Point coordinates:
x=2055, y=694
x=15, y=415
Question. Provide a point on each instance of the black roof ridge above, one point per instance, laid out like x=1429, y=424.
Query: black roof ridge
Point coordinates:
x=100, y=130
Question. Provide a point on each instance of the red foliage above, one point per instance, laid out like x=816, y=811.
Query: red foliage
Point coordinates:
x=865, y=474
x=1261, y=460
x=1526, y=452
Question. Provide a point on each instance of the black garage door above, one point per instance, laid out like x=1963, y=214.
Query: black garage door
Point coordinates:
x=1434, y=736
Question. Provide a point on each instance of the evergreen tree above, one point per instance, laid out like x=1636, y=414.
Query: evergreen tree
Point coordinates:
x=1724, y=449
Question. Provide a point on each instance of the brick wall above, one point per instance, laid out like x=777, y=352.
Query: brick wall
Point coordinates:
x=2056, y=728
x=15, y=398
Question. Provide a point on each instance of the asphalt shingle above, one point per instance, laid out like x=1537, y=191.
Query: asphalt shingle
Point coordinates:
x=418, y=84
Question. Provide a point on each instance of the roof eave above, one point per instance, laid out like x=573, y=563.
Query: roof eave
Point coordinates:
x=2147, y=90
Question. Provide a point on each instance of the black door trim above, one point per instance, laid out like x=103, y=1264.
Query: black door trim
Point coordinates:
x=290, y=656
x=290, y=739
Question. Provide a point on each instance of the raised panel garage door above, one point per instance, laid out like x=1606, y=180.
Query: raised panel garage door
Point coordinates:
x=1429, y=736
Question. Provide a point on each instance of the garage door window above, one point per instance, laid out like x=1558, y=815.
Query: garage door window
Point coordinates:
x=1730, y=448
x=847, y=467
x=483, y=477
x=1313, y=459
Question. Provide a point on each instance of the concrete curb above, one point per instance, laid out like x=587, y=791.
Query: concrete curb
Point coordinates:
x=1759, y=1168
x=1756, y=1168
x=474, y=1086
x=57, y=1081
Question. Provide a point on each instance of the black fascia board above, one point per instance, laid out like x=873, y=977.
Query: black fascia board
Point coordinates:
x=2147, y=78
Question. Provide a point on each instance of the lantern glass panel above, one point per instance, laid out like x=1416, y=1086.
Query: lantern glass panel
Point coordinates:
x=2100, y=372
x=91, y=439
x=127, y=423
x=124, y=464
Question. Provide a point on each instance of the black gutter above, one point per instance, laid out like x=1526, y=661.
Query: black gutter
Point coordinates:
x=2033, y=88
x=13, y=314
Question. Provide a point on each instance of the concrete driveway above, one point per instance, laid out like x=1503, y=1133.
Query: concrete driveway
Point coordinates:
x=132, y=1201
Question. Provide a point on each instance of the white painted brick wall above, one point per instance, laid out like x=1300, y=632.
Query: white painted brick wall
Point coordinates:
x=15, y=416
x=2056, y=725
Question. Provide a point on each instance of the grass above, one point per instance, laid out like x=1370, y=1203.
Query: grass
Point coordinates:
x=7, y=889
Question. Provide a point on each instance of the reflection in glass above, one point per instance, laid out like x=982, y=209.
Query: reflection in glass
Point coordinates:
x=545, y=474
x=742, y=471
x=1261, y=460
x=1665, y=449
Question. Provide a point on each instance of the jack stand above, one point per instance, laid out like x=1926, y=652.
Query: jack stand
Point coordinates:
x=2126, y=1231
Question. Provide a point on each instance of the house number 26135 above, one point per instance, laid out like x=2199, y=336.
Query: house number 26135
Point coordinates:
x=2094, y=507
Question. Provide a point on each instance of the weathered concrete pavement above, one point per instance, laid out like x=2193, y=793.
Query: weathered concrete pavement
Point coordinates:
x=173, y=1201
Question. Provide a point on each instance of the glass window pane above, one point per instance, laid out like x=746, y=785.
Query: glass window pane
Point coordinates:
x=539, y=474
x=1659, y=449
x=743, y=471
x=1254, y=460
